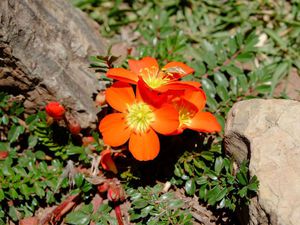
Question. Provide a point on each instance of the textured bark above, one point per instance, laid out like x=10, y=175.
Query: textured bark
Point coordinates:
x=44, y=46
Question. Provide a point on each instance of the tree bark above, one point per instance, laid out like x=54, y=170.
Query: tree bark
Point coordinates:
x=44, y=49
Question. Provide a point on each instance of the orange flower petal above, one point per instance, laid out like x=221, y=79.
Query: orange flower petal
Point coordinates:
x=122, y=74
x=166, y=119
x=114, y=129
x=205, y=122
x=179, y=85
x=119, y=95
x=107, y=162
x=198, y=98
x=137, y=65
x=144, y=146
x=182, y=68
x=148, y=95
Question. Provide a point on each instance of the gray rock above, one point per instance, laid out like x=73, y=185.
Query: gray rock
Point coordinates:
x=268, y=133
x=44, y=50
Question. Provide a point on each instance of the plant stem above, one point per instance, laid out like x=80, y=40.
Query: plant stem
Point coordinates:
x=118, y=214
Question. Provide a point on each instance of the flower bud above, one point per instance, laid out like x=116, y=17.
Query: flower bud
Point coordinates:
x=3, y=154
x=107, y=162
x=115, y=193
x=103, y=187
x=55, y=110
x=100, y=98
x=74, y=127
x=72, y=123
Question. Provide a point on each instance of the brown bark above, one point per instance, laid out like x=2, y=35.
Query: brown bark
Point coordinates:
x=44, y=49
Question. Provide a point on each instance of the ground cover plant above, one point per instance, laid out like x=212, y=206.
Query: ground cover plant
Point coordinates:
x=235, y=50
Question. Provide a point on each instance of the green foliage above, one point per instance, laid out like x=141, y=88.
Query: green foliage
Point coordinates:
x=150, y=205
x=85, y=214
x=213, y=178
x=28, y=177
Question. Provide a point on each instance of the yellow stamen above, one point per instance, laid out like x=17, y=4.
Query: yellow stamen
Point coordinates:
x=153, y=77
x=139, y=117
x=185, y=117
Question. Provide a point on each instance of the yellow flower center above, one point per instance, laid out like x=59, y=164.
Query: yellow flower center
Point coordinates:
x=139, y=117
x=185, y=117
x=153, y=77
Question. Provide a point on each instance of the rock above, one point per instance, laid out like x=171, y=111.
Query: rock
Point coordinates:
x=44, y=50
x=267, y=133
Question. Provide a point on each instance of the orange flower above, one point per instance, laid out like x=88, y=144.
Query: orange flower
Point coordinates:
x=107, y=162
x=147, y=70
x=55, y=110
x=136, y=122
x=153, y=83
x=191, y=116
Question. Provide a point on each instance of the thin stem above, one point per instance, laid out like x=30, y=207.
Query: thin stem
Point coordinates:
x=118, y=214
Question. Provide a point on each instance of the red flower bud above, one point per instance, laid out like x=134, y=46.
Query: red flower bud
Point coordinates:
x=107, y=162
x=74, y=127
x=3, y=154
x=72, y=123
x=115, y=193
x=55, y=110
x=103, y=187
x=86, y=141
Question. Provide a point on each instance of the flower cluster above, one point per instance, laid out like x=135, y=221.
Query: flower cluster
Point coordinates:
x=150, y=100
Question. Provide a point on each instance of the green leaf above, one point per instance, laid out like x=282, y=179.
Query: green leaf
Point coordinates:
x=245, y=57
x=203, y=192
x=74, y=150
x=208, y=87
x=140, y=203
x=281, y=70
x=263, y=89
x=14, y=133
x=212, y=103
x=79, y=179
x=13, y=213
x=222, y=92
x=219, y=164
x=232, y=45
x=199, y=164
x=221, y=194
x=175, y=204
x=77, y=218
x=241, y=178
x=276, y=37
x=188, y=168
x=233, y=70
x=190, y=187
x=38, y=189
x=220, y=79
x=2, y=196
x=5, y=120
x=201, y=180
x=212, y=195
x=32, y=141
x=243, y=192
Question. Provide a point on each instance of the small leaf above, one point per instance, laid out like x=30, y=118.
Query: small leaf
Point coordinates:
x=219, y=164
x=175, y=204
x=2, y=196
x=222, y=92
x=221, y=194
x=220, y=79
x=190, y=187
x=77, y=218
x=14, y=133
x=208, y=87
x=140, y=203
